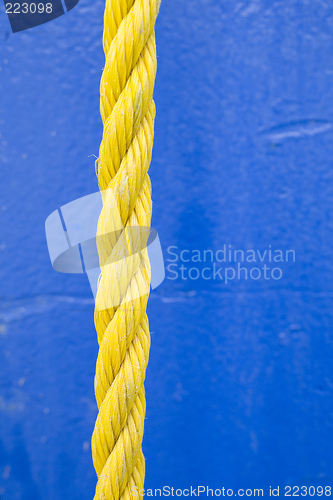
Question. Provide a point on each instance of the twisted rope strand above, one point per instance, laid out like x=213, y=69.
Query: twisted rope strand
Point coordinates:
x=128, y=113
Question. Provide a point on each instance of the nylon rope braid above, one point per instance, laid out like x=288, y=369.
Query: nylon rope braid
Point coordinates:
x=128, y=112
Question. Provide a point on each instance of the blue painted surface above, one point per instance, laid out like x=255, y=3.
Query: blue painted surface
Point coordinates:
x=239, y=385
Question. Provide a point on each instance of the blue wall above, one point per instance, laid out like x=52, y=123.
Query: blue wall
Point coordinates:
x=239, y=384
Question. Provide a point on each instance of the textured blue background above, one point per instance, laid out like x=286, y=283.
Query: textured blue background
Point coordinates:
x=239, y=385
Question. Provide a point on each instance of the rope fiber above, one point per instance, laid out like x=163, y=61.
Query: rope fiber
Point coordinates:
x=128, y=112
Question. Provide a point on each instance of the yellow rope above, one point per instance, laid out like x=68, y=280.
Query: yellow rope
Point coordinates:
x=128, y=112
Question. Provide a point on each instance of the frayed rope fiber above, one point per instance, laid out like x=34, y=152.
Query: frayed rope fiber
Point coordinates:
x=128, y=112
